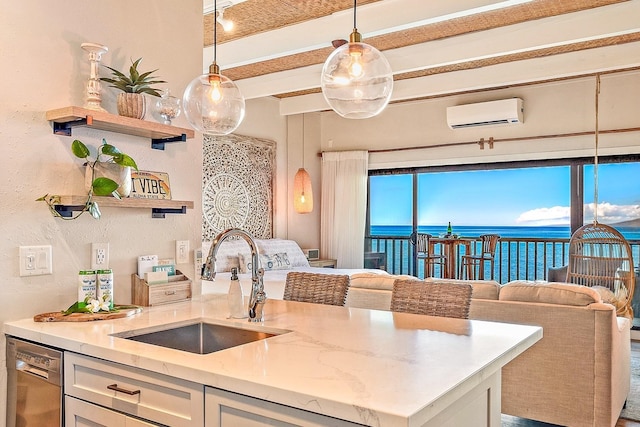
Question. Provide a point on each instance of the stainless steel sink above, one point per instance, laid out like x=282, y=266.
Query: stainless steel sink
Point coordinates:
x=199, y=338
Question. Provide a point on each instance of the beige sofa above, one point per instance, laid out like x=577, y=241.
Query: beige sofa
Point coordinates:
x=577, y=375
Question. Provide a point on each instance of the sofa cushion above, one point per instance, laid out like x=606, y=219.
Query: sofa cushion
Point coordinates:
x=549, y=292
x=482, y=289
x=377, y=281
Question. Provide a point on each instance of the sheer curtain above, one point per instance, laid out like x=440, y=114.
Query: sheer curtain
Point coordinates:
x=344, y=207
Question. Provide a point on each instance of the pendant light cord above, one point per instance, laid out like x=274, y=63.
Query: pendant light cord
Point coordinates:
x=302, y=140
x=355, y=4
x=215, y=29
x=595, y=161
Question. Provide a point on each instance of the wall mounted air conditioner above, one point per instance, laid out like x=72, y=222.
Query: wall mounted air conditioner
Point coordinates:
x=502, y=112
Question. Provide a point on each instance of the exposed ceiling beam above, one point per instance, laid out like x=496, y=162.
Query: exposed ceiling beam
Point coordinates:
x=431, y=49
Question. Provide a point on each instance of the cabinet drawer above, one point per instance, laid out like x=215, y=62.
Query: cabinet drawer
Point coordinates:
x=145, y=394
x=178, y=289
x=162, y=294
x=226, y=409
x=79, y=413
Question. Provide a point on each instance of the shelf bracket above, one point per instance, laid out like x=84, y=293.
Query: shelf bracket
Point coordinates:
x=66, y=211
x=65, y=128
x=158, y=143
x=160, y=212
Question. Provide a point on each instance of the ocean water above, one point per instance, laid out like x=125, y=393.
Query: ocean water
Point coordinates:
x=514, y=260
x=545, y=232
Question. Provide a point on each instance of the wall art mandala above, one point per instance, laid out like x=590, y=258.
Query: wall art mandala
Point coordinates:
x=237, y=185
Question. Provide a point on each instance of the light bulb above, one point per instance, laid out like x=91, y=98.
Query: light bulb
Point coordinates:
x=215, y=94
x=355, y=68
x=302, y=198
x=227, y=24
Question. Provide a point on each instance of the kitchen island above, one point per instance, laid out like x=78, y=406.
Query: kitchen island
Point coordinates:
x=357, y=366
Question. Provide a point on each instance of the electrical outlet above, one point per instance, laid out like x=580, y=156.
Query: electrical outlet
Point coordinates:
x=99, y=256
x=35, y=260
x=182, y=251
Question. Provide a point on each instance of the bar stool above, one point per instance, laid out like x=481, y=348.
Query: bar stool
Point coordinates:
x=317, y=288
x=423, y=248
x=432, y=299
x=487, y=254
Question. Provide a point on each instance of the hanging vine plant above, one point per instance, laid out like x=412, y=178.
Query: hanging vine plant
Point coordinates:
x=99, y=185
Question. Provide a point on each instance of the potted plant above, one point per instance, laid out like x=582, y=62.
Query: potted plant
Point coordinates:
x=131, y=102
x=108, y=174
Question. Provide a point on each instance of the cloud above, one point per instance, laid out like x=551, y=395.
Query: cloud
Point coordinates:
x=611, y=214
x=556, y=215
x=561, y=215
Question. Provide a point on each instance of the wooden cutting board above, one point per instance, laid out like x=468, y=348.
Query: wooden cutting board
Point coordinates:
x=58, y=316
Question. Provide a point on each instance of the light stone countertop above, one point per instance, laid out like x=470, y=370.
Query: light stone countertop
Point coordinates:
x=349, y=363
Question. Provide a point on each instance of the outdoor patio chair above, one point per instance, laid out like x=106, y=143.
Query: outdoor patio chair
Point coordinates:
x=600, y=256
x=423, y=249
x=431, y=298
x=317, y=288
x=475, y=263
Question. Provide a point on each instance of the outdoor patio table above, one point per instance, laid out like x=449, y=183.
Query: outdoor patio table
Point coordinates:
x=450, y=249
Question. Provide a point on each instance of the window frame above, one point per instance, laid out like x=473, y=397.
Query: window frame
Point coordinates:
x=576, y=179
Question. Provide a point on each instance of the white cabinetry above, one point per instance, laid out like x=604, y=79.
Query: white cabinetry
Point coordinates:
x=79, y=413
x=225, y=409
x=143, y=394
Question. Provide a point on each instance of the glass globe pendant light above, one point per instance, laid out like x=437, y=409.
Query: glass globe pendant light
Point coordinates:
x=357, y=80
x=212, y=103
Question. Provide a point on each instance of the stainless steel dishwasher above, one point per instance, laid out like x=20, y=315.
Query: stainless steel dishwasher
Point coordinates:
x=34, y=384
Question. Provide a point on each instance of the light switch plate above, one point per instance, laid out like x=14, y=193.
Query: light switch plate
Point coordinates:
x=35, y=260
x=182, y=251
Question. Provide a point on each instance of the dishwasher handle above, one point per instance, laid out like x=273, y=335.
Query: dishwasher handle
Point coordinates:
x=23, y=366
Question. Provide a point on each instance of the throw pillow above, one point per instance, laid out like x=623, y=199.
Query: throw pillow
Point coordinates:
x=609, y=297
x=278, y=261
x=549, y=293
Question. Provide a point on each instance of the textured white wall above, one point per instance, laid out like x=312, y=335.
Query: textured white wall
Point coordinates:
x=550, y=109
x=43, y=68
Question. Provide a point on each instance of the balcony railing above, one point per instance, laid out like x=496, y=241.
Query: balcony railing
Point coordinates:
x=518, y=258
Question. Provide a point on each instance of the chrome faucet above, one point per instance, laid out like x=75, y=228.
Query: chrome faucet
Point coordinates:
x=258, y=297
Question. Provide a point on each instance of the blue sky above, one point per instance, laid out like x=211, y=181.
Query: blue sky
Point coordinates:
x=523, y=197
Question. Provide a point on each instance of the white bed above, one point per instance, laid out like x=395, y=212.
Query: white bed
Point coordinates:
x=278, y=258
x=273, y=280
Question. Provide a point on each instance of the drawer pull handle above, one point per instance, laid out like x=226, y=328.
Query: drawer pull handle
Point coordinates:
x=115, y=387
x=170, y=292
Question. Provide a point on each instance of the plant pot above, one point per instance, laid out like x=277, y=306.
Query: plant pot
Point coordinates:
x=131, y=105
x=120, y=174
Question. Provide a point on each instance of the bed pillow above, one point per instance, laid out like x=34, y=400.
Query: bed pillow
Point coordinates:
x=227, y=255
x=290, y=247
x=279, y=261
